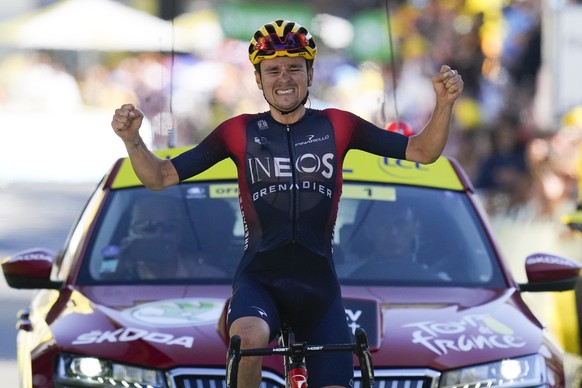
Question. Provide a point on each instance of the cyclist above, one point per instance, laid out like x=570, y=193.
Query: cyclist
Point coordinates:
x=289, y=161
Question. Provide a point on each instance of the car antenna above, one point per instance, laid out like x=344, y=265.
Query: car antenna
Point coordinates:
x=172, y=129
x=397, y=125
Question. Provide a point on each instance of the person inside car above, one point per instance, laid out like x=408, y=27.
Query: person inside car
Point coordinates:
x=152, y=248
x=391, y=241
x=390, y=238
x=289, y=162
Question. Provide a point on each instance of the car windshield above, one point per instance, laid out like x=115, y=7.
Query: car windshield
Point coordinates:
x=412, y=236
x=189, y=233
x=193, y=233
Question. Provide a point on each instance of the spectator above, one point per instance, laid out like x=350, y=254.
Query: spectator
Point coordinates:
x=504, y=176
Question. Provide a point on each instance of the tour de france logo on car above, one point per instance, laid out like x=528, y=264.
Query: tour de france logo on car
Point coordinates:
x=473, y=332
x=177, y=312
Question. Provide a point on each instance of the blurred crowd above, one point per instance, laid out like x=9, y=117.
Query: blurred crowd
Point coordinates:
x=516, y=164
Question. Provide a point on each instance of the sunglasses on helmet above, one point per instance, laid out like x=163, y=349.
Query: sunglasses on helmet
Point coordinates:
x=292, y=43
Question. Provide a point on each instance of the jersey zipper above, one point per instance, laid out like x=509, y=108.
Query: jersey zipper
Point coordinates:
x=294, y=202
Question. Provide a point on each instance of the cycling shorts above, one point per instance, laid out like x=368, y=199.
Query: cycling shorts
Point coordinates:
x=296, y=285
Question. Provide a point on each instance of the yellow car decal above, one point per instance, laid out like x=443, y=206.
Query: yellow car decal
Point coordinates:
x=370, y=192
x=223, y=190
x=362, y=166
x=358, y=166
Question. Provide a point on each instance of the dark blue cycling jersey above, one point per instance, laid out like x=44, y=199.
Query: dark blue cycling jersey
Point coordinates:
x=290, y=179
x=290, y=176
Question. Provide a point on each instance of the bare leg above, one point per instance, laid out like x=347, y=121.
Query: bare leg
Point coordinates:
x=254, y=333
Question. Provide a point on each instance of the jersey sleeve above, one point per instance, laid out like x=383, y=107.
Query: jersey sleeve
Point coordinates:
x=220, y=144
x=361, y=134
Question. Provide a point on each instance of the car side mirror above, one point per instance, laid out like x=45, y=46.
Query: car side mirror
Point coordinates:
x=30, y=269
x=547, y=272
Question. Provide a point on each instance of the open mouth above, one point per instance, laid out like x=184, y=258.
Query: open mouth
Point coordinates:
x=284, y=92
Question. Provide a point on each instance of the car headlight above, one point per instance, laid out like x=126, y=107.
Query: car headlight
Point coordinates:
x=92, y=371
x=527, y=371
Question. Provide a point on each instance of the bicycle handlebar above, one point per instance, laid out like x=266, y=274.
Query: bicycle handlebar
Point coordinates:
x=297, y=349
x=365, y=358
x=360, y=348
x=234, y=355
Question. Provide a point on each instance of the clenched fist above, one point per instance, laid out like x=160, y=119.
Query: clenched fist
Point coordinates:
x=126, y=123
x=448, y=85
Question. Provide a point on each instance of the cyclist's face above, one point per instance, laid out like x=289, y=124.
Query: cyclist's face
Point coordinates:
x=284, y=81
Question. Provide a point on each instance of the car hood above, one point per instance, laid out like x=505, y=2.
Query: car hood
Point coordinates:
x=161, y=326
x=169, y=326
x=447, y=328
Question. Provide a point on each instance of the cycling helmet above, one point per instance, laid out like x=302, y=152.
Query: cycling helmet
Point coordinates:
x=281, y=38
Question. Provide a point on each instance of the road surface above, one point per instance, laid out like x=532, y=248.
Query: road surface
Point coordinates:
x=32, y=215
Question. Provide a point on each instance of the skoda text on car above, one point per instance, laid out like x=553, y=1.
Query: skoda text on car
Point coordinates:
x=115, y=309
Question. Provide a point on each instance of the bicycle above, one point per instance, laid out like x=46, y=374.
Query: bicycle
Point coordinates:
x=294, y=357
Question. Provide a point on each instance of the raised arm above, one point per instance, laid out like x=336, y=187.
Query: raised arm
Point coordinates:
x=155, y=173
x=427, y=146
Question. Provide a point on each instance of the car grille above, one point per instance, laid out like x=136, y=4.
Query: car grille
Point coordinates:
x=384, y=378
x=402, y=378
x=214, y=378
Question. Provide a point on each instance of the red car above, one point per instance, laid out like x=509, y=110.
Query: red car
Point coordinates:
x=137, y=302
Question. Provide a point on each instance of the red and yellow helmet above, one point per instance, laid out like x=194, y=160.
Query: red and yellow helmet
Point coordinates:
x=281, y=38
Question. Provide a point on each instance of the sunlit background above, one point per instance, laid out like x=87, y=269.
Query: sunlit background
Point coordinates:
x=66, y=65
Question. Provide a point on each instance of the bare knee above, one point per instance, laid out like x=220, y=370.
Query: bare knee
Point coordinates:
x=253, y=331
